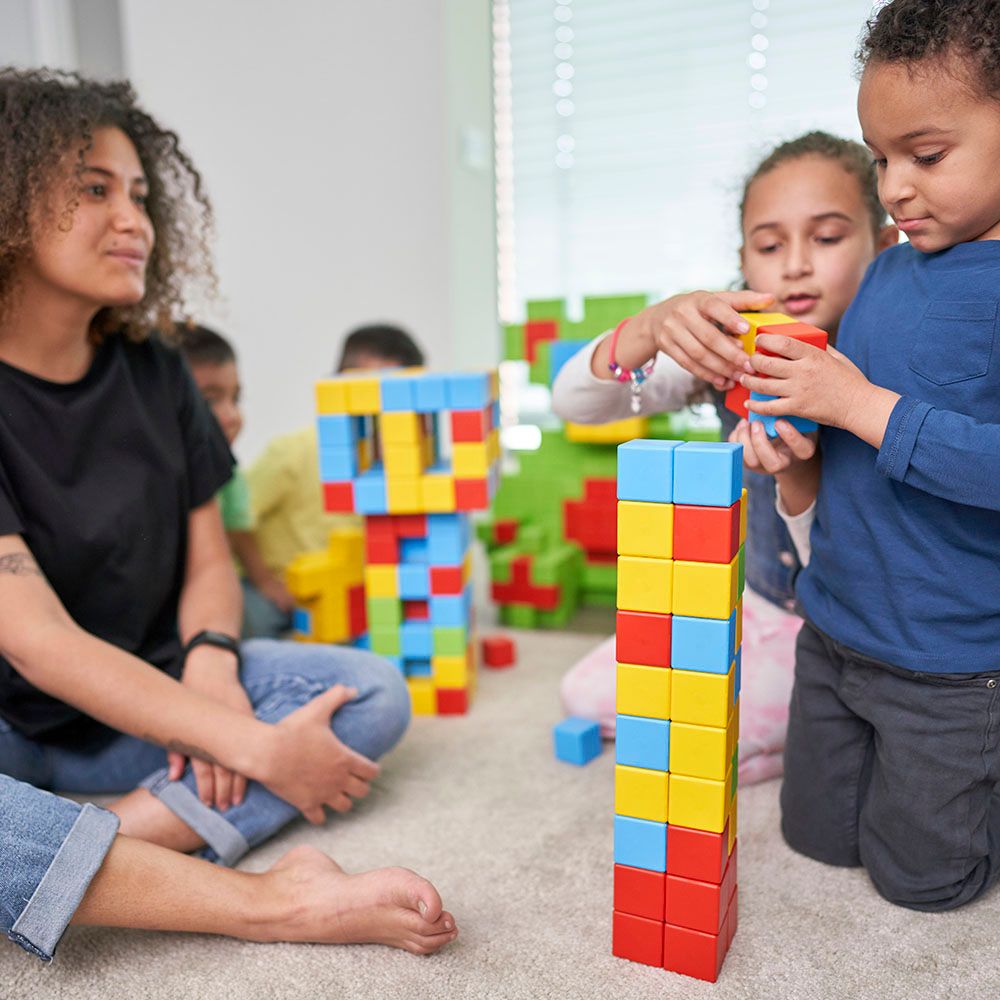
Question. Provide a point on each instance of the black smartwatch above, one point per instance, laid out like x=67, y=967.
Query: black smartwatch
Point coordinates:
x=207, y=637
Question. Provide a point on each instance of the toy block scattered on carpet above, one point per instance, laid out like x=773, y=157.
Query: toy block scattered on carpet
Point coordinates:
x=681, y=526
x=577, y=741
x=414, y=452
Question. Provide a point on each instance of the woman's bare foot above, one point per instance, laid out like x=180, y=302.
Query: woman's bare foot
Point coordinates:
x=311, y=898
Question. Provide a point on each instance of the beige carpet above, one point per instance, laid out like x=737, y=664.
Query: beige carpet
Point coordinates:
x=520, y=847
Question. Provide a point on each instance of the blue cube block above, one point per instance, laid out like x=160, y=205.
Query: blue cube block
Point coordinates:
x=370, y=493
x=301, y=621
x=417, y=666
x=337, y=464
x=560, y=352
x=431, y=393
x=447, y=538
x=705, y=644
x=363, y=641
x=577, y=741
x=413, y=550
x=450, y=609
x=642, y=742
x=468, y=391
x=641, y=843
x=496, y=412
x=646, y=470
x=414, y=581
x=335, y=431
x=709, y=473
x=416, y=640
x=801, y=424
x=398, y=394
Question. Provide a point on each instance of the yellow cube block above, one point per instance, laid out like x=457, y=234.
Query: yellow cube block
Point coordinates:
x=644, y=691
x=733, y=824
x=698, y=803
x=641, y=793
x=451, y=671
x=744, y=507
x=423, y=701
x=331, y=396
x=702, y=751
x=739, y=623
x=469, y=460
x=493, y=445
x=494, y=384
x=645, y=529
x=645, y=584
x=381, y=581
x=403, y=495
x=438, y=493
x=615, y=432
x=364, y=396
x=402, y=460
x=704, y=590
x=701, y=698
x=401, y=428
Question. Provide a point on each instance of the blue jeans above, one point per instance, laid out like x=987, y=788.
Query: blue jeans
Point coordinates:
x=279, y=677
x=50, y=849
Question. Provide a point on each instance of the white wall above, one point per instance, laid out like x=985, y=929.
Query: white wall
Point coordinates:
x=343, y=190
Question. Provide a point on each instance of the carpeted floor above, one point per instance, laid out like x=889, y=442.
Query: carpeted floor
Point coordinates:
x=520, y=847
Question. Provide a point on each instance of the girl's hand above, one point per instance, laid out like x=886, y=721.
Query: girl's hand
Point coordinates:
x=698, y=330
x=211, y=672
x=306, y=765
x=825, y=386
x=762, y=454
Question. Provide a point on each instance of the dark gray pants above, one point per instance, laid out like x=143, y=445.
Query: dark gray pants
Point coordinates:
x=894, y=770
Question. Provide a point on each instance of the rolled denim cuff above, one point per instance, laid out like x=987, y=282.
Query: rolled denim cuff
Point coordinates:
x=51, y=907
x=224, y=840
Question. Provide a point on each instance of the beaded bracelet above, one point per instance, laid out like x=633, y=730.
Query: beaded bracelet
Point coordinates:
x=634, y=376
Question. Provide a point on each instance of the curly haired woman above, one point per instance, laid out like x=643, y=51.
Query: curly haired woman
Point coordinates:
x=118, y=600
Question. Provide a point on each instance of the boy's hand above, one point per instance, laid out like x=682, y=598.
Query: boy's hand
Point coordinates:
x=825, y=386
x=762, y=454
x=211, y=672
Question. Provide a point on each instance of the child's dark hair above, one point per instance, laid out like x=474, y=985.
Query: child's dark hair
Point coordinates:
x=202, y=346
x=47, y=114
x=391, y=343
x=852, y=156
x=909, y=31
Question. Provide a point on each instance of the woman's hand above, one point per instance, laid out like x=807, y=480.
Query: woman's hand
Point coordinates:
x=697, y=329
x=305, y=764
x=212, y=672
x=763, y=454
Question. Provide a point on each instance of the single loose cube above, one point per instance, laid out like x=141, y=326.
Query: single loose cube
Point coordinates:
x=498, y=651
x=577, y=741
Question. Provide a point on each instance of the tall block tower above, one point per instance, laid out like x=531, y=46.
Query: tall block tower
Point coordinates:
x=681, y=527
x=414, y=453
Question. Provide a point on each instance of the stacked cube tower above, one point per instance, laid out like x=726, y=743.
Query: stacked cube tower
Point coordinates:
x=681, y=527
x=414, y=453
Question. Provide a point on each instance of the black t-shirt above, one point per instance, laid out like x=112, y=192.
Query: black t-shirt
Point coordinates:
x=98, y=476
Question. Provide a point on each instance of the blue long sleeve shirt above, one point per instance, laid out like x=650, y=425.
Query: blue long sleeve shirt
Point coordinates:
x=905, y=562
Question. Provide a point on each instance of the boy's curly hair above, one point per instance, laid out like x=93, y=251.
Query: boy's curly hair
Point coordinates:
x=909, y=31
x=852, y=156
x=47, y=114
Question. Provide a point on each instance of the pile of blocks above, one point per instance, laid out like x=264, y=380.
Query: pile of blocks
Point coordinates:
x=681, y=528
x=414, y=453
x=551, y=537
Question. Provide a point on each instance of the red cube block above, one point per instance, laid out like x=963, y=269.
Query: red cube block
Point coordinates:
x=380, y=550
x=357, y=613
x=706, y=534
x=446, y=580
x=471, y=494
x=504, y=531
x=469, y=425
x=732, y=917
x=498, y=651
x=639, y=892
x=693, y=953
x=642, y=637
x=338, y=498
x=701, y=906
x=416, y=611
x=737, y=399
x=805, y=332
x=537, y=330
x=697, y=854
x=452, y=701
x=637, y=938
x=410, y=525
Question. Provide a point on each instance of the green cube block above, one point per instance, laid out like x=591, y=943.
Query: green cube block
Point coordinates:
x=513, y=342
x=547, y=309
x=541, y=368
x=385, y=641
x=384, y=612
x=450, y=640
x=518, y=615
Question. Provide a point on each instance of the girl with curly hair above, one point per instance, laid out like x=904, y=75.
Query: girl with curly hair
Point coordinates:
x=119, y=670
x=893, y=752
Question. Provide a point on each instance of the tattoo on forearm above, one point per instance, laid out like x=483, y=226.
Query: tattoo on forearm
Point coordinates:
x=177, y=746
x=19, y=564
